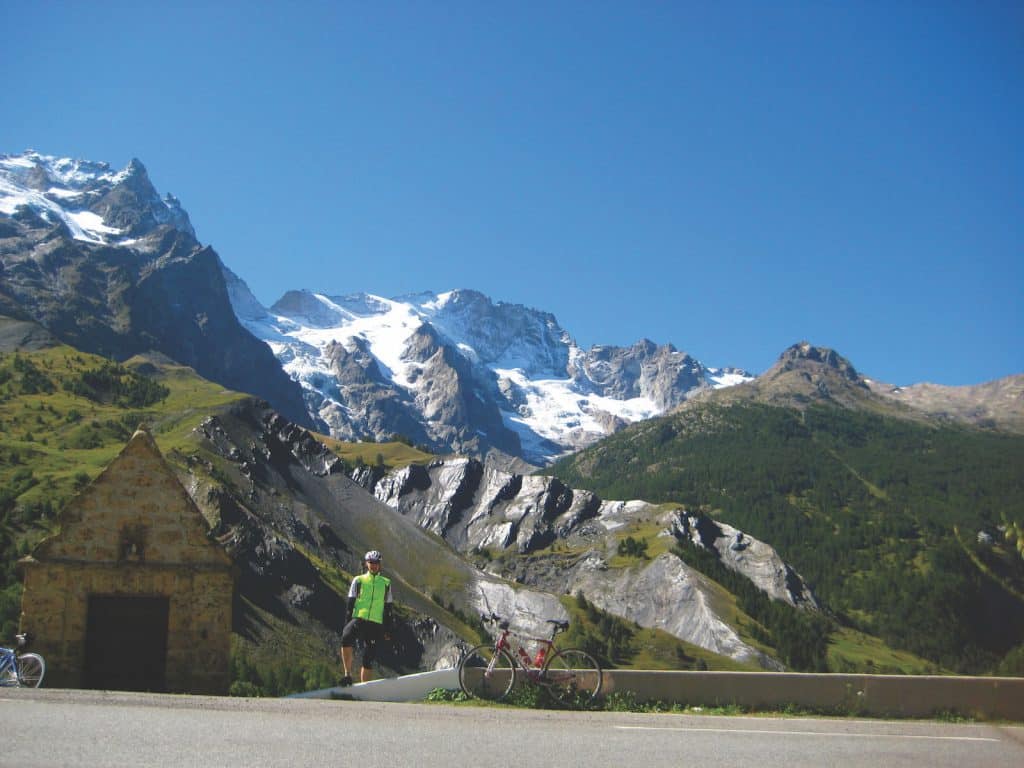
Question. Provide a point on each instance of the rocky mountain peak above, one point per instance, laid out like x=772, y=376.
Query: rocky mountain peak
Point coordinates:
x=422, y=344
x=306, y=307
x=94, y=203
x=805, y=373
x=806, y=356
x=100, y=261
x=503, y=334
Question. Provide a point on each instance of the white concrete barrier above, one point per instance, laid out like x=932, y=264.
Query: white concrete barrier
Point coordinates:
x=404, y=688
x=876, y=695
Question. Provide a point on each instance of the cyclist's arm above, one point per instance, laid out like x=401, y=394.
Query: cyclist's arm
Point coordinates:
x=389, y=605
x=353, y=593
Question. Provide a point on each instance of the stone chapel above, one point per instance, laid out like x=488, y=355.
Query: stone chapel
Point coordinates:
x=131, y=593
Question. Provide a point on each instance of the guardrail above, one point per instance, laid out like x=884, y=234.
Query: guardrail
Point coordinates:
x=987, y=698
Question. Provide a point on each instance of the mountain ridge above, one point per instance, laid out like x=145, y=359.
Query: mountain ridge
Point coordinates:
x=103, y=262
x=541, y=394
x=805, y=374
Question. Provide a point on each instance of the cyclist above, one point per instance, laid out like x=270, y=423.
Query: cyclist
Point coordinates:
x=368, y=617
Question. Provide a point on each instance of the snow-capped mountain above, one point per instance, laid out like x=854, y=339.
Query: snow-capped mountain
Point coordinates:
x=459, y=372
x=106, y=265
x=97, y=204
x=96, y=256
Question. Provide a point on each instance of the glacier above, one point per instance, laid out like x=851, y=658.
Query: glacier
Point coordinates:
x=553, y=395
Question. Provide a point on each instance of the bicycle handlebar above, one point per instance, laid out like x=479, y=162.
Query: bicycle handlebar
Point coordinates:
x=503, y=623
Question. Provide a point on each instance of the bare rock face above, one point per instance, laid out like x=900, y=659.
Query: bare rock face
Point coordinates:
x=474, y=506
x=744, y=554
x=669, y=595
x=361, y=401
x=479, y=508
x=806, y=373
x=528, y=611
x=134, y=207
x=277, y=501
x=662, y=374
x=455, y=398
x=23, y=335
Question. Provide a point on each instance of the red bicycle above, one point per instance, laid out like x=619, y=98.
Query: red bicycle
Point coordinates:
x=489, y=672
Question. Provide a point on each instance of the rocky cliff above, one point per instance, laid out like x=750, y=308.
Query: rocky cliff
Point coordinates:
x=539, y=532
x=285, y=511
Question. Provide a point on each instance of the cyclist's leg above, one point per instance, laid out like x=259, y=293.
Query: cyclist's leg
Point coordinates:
x=371, y=636
x=349, y=635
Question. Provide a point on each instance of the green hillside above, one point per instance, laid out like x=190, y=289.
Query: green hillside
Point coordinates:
x=391, y=454
x=881, y=515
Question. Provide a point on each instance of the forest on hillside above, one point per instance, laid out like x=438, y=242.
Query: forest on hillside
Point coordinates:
x=898, y=526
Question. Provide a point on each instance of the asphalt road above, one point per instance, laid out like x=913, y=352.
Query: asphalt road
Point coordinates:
x=96, y=729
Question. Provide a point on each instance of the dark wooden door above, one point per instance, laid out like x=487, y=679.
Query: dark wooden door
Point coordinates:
x=126, y=643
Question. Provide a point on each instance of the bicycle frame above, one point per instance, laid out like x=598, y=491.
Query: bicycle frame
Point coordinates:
x=532, y=666
x=9, y=674
x=489, y=670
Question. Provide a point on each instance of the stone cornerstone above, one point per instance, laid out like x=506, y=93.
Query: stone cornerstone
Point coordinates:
x=132, y=593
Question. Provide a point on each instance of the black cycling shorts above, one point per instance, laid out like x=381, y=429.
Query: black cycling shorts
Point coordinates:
x=369, y=632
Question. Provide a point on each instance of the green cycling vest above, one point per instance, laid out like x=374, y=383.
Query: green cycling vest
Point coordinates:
x=370, y=600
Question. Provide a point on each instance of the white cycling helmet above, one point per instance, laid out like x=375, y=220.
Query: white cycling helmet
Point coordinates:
x=373, y=556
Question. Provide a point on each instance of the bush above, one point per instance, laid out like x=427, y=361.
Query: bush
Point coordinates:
x=630, y=547
x=113, y=383
x=1012, y=664
x=244, y=689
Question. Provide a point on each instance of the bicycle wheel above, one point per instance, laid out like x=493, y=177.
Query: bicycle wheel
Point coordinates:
x=486, y=673
x=31, y=669
x=572, y=677
x=8, y=678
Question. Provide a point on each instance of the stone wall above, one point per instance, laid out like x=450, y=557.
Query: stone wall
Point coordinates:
x=134, y=532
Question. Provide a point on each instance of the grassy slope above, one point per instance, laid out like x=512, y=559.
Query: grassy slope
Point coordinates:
x=393, y=455
x=66, y=439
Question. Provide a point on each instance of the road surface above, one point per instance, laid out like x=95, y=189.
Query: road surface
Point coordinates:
x=97, y=729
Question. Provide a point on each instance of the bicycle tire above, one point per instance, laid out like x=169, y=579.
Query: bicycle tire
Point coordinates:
x=572, y=677
x=486, y=673
x=31, y=669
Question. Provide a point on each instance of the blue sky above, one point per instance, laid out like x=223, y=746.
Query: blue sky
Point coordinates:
x=730, y=177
